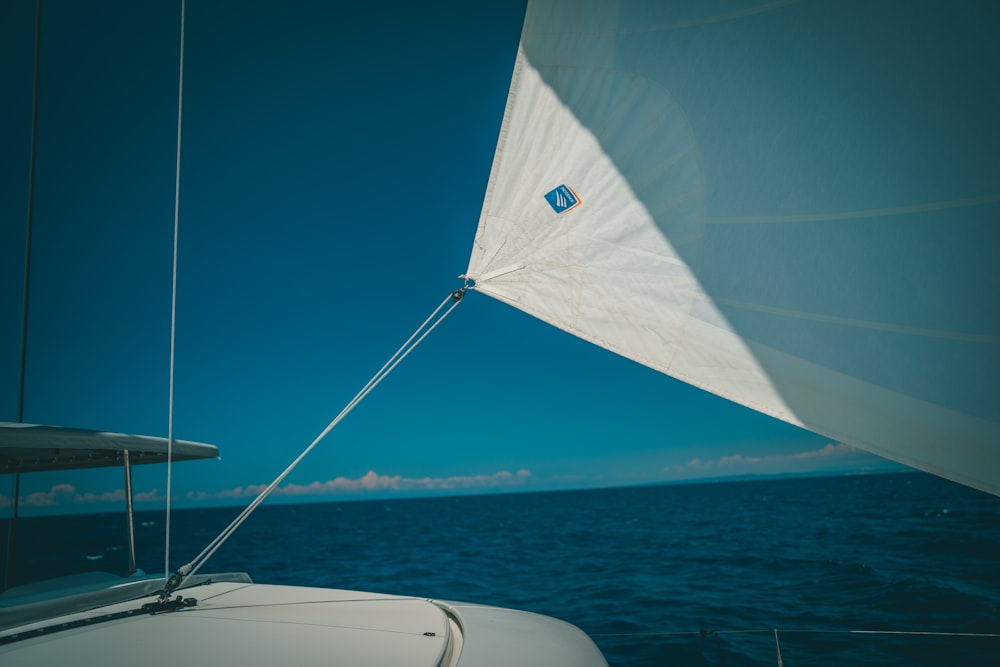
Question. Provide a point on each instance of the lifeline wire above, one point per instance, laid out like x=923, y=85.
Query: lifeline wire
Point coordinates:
x=173, y=299
x=774, y=632
x=415, y=339
x=800, y=631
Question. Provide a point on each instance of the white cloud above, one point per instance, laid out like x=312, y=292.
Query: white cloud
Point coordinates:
x=107, y=497
x=738, y=459
x=151, y=496
x=830, y=450
x=57, y=495
x=371, y=481
x=67, y=494
x=736, y=463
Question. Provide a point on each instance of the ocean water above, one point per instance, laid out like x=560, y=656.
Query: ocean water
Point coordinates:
x=695, y=574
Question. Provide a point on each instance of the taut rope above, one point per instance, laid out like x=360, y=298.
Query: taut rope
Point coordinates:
x=173, y=299
x=415, y=339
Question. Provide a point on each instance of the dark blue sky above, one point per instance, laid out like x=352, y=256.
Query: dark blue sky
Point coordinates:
x=334, y=162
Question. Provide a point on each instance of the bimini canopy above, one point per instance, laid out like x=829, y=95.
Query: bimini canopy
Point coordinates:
x=34, y=448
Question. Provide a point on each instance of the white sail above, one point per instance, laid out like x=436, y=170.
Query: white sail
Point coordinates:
x=793, y=205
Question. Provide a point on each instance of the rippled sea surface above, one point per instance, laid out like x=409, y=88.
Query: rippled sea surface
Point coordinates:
x=659, y=575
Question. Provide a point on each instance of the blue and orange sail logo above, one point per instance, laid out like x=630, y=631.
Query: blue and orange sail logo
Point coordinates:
x=562, y=199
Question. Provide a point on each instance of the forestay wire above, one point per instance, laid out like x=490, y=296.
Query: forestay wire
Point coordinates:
x=415, y=339
x=173, y=300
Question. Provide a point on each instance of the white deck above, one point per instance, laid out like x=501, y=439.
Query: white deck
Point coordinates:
x=257, y=624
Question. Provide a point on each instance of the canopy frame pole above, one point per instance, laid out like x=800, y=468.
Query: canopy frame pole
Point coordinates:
x=129, y=516
x=12, y=531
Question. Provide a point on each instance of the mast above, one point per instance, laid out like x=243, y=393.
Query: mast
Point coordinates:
x=12, y=524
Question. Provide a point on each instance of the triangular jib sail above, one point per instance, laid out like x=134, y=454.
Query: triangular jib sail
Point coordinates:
x=794, y=205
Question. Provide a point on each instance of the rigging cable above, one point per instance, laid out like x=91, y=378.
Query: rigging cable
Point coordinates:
x=173, y=299
x=15, y=501
x=432, y=321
